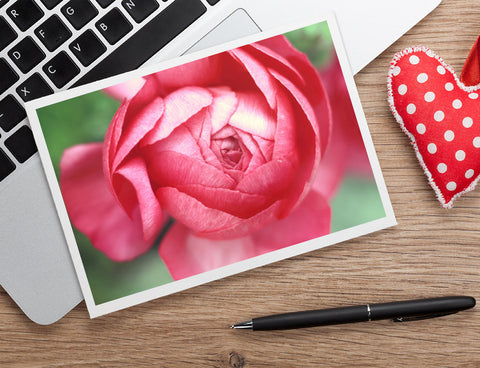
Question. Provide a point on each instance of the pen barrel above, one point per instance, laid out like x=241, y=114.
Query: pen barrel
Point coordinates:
x=420, y=307
x=312, y=318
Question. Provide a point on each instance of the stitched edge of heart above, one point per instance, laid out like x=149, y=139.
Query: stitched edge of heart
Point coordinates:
x=399, y=119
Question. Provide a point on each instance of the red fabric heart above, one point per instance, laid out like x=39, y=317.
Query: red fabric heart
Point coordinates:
x=442, y=118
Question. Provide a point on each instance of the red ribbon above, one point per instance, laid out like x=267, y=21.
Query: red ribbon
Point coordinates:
x=471, y=69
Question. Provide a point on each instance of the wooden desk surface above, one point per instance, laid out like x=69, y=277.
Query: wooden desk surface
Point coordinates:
x=431, y=252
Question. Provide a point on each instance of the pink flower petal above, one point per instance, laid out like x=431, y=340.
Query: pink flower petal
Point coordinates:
x=300, y=147
x=270, y=179
x=345, y=123
x=125, y=90
x=259, y=73
x=167, y=168
x=131, y=181
x=332, y=166
x=196, y=73
x=309, y=221
x=223, y=106
x=259, y=150
x=180, y=106
x=143, y=97
x=281, y=45
x=233, y=202
x=291, y=125
x=112, y=137
x=276, y=55
x=180, y=140
x=254, y=116
x=127, y=112
x=312, y=87
x=187, y=255
x=135, y=129
x=208, y=222
x=92, y=208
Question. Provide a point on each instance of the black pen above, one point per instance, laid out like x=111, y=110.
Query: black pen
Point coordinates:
x=397, y=311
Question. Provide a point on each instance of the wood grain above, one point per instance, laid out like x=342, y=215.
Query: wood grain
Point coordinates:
x=431, y=252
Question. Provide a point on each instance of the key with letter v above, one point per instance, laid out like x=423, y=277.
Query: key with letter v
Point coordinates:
x=87, y=48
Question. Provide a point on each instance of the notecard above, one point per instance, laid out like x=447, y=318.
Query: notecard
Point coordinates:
x=210, y=164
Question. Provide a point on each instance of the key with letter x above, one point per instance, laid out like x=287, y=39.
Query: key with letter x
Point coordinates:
x=33, y=87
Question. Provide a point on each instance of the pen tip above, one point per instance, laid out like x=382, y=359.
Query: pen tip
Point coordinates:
x=243, y=325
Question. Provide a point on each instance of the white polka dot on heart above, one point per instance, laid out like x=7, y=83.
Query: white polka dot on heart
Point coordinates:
x=467, y=122
x=402, y=89
x=432, y=148
x=469, y=173
x=476, y=142
x=439, y=116
x=396, y=70
x=457, y=104
x=449, y=86
x=473, y=96
x=421, y=128
x=414, y=59
x=449, y=135
x=442, y=168
x=411, y=108
x=429, y=96
x=422, y=77
x=440, y=69
x=451, y=186
x=460, y=155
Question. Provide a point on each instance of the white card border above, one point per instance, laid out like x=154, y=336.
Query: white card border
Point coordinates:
x=245, y=265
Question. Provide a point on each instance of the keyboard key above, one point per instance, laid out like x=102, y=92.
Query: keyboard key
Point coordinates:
x=113, y=26
x=212, y=2
x=105, y=3
x=7, y=34
x=33, y=87
x=24, y=13
x=21, y=144
x=53, y=33
x=61, y=69
x=9, y=77
x=87, y=48
x=6, y=165
x=11, y=113
x=147, y=41
x=26, y=54
x=50, y=4
x=79, y=12
x=140, y=9
x=3, y=2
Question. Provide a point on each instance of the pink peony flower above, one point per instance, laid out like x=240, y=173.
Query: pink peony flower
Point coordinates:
x=228, y=146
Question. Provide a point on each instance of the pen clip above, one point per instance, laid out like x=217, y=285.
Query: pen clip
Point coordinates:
x=421, y=317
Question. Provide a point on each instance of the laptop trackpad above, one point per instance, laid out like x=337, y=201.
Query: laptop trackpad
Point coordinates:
x=236, y=25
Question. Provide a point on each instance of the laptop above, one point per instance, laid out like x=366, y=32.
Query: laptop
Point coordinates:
x=50, y=45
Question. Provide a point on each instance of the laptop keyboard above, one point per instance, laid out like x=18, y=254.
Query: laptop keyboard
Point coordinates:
x=51, y=45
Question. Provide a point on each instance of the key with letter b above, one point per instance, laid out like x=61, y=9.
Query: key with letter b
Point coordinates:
x=113, y=26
